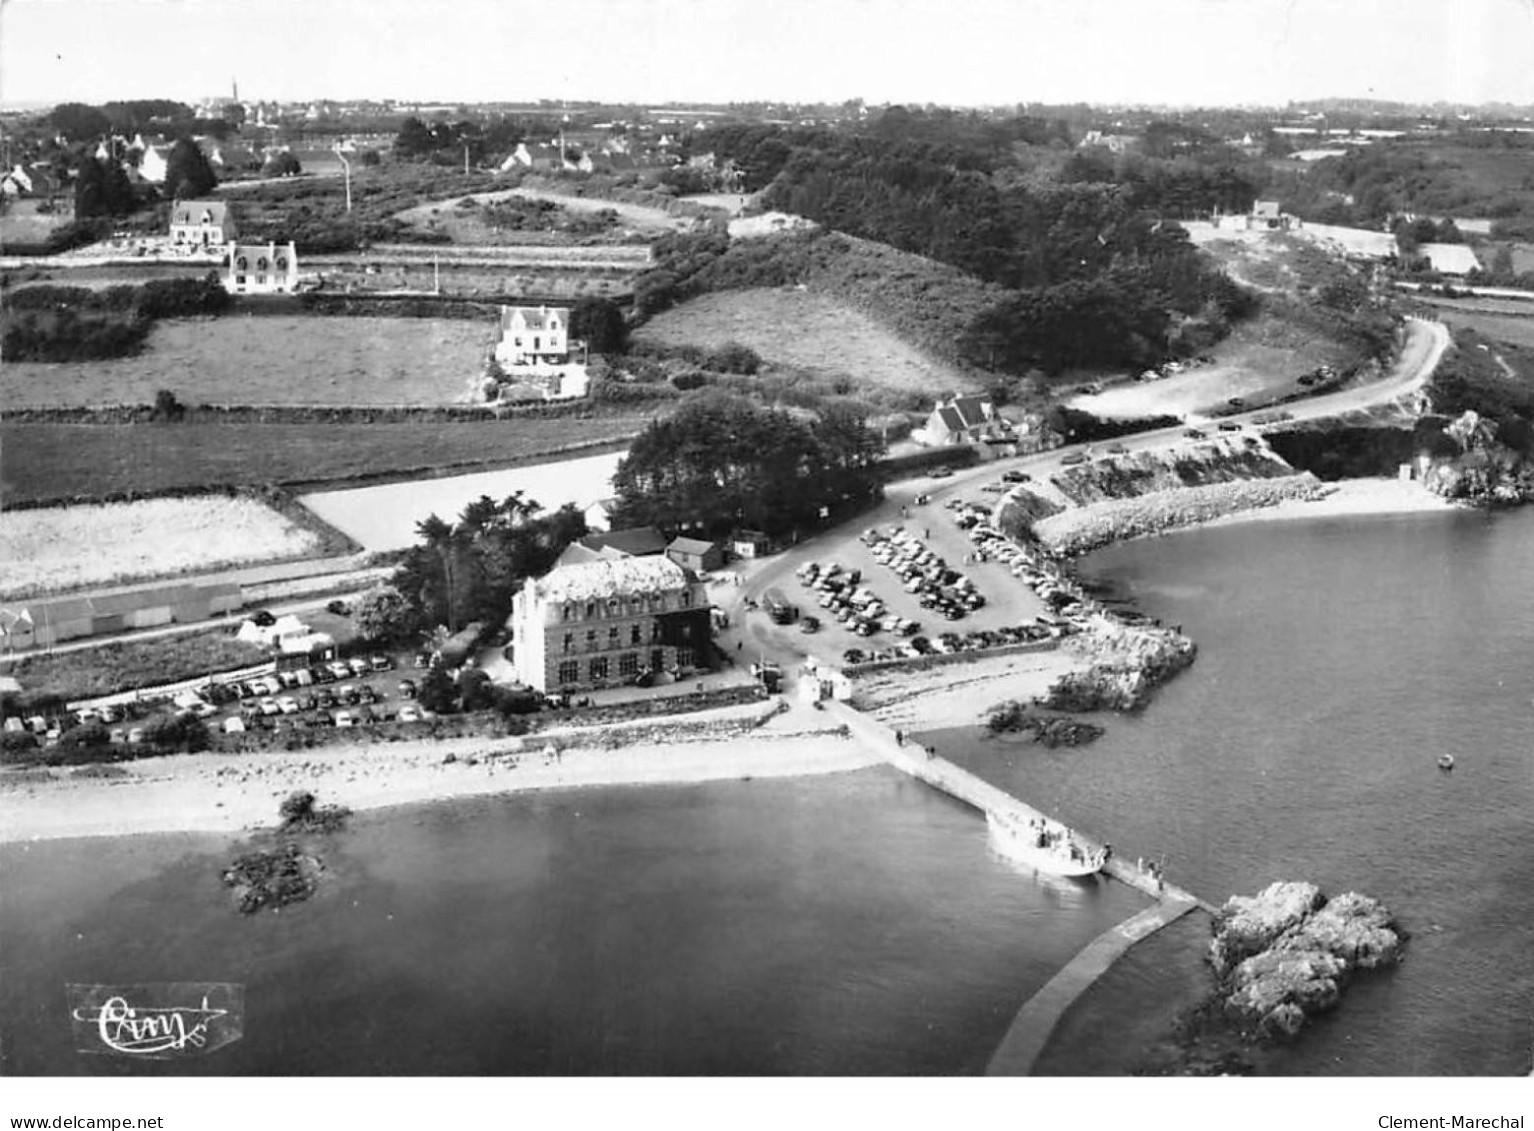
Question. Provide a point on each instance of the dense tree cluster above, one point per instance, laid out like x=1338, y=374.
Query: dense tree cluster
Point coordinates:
x=599, y=322
x=188, y=172
x=102, y=188
x=722, y=462
x=469, y=570
x=58, y=323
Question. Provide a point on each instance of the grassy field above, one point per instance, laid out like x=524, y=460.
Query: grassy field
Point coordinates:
x=110, y=668
x=1502, y=328
x=57, y=548
x=807, y=330
x=62, y=461
x=21, y=223
x=290, y=360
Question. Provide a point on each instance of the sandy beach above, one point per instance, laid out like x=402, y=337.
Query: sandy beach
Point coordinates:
x=239, y=792
x=1351, y=498
x=960, y=694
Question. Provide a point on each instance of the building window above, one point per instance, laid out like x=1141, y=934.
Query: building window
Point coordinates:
x=684, y=657
x=239, y=280
x=655, y=631
x=242, y=263
x=591, y=609
x=614, y=606
x=599, y=668
x=628, y=664
x=635, y=635
x=612, y=637
x=569, y=611
x=261, y=264
x=569, y=642
x=686, y=598
x=591, y=640
x=569, y=672
x=636, y=606
x=261, y=280
x=282, y=263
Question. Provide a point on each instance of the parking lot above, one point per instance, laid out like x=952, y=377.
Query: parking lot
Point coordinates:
x=888, y=549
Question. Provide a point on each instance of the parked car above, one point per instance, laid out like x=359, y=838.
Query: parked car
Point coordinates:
x=234, y=725
x=407, y=688
x=288, y=705
x=809, y=625
x=1019, y=476
x=409, y=714
x=339, y=608
x=1117, y=449
x=1193, y=434
x=1230, y=426
x=344, y=719
x=1073, y=458
x=380, y=663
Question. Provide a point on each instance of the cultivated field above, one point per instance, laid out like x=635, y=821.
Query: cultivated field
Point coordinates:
x=63, y=461
x=289, y=360
x=806, y=330
x=53, y=549
x=385, y=517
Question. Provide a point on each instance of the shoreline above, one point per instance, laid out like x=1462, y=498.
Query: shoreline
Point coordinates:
x=238, y=794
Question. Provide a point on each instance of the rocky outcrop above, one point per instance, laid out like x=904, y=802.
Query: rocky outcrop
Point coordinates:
x=1288, y=953
x=1128, y=663
x=1088, y=528
x=1046, y=730
x=1221, y=459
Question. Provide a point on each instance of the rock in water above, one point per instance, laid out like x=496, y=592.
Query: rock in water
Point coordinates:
x=1287, y=954
x=1248, y=926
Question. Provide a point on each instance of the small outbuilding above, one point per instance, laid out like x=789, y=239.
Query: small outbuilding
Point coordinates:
x=695, y=554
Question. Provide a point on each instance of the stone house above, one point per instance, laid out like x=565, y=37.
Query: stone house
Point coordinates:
x=603, y=623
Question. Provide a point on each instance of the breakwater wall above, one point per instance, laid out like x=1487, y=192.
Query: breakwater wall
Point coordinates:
x=1031, y=1029
x=1091, y=527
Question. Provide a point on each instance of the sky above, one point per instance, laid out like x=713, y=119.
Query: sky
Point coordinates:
x=954, y=52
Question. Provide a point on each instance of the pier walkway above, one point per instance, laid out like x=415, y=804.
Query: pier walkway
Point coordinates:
x=1037, y=1019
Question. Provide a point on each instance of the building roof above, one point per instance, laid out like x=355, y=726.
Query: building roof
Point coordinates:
x=636, y=541
x=951, y=419
x=59, y=609
x=971, y=410
x=614, y=577
x=1266, y=209
x=254, y=251
x=690, y=545
x=192, y=212
x=575, y=554
x=533, y=317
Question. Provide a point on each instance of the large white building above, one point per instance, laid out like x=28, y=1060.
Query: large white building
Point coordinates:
x=605, y=622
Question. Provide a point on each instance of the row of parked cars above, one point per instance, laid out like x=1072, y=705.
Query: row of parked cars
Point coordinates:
x=843, y=595
x=976, y=641
x=935, y=584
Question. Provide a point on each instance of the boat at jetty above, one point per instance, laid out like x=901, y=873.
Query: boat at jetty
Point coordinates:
x=1047, y=846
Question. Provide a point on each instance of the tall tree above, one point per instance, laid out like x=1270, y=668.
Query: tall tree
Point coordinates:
x=188, y=173
x=600, y=324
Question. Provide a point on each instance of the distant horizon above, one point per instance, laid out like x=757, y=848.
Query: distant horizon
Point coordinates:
x=682, y=104
x=982, y=53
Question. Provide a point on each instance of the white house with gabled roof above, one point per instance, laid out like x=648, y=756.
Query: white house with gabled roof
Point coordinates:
x=261, y=269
